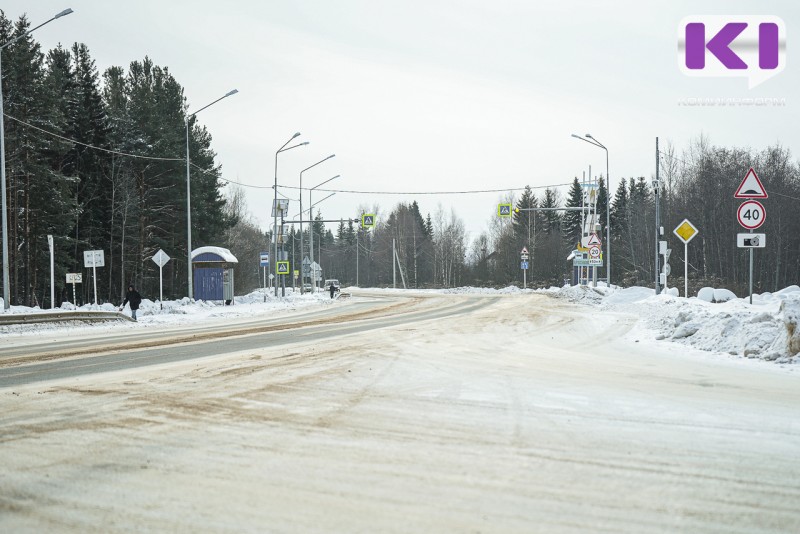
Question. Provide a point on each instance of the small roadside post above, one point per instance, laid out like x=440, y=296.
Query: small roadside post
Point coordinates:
x=161, y=258
x=685, y=231
x=524, y=266
x=94, y=259
x=74, y=278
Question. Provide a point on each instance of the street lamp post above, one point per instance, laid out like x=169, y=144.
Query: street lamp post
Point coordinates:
x=593, y=141
x=284, y=148
x=311, y=233
x=301, y=215
x=6, y=288
x=189, y=192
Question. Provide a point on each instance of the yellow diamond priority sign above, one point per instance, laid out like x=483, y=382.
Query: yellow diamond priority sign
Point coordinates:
x=685, y=231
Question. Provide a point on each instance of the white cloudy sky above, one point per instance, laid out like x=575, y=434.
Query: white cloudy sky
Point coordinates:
x=431, y=95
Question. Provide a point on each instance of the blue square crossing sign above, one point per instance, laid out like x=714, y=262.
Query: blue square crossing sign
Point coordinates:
x=523, y=265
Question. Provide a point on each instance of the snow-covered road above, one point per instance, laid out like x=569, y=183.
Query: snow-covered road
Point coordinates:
x=532, y=414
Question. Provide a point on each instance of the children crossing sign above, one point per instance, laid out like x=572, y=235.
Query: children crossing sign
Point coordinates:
x=282, y=267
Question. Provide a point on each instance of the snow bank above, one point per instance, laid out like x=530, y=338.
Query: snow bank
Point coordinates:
x=716, y=320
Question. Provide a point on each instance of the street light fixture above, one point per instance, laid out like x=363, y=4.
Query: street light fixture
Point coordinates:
x=301, y=212
x=6, y=288
x=189, y=192
x=311, y=218
x=284, y=148
x=593, y=141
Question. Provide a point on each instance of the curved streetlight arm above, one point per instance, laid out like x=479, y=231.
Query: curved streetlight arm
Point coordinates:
x=317, y=163
x=325, y=182
x=17, y=38
x=323, y=200
x=226, y=95
x=304, y=143
x=593, y=141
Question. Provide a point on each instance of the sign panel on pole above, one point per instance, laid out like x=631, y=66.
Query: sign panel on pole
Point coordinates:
x=504, y=210
x=93, y=258
x=594, y=252
x=751, y=187
x=524, y=251
x=263, y=259
x=523, y=265
x=685, y=231
x=593, y=241
x=161, y=258
x=751, y=240
x=74, y=278
x=751, y=214
x=282, y=267
x=368, y=220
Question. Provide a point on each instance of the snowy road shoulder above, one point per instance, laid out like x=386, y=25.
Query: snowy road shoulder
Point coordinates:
x=766, y=330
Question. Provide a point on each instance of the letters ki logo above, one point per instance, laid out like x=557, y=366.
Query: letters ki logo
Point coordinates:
x=747, y=46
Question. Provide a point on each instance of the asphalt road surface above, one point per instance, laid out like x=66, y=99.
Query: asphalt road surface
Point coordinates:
x=443, y=413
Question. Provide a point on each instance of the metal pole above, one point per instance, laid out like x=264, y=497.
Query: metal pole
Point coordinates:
x=686, y=269
x=394, y=267
x=161, y=286
x=311, y=242
x=608, y=223
x=6, y=288
x=190, y=291
x=6, y=283
x=656, y=187
x=357, y=254
x=94, y=277
x=188, y=216
x=275, y=223
x=52, y=274
x=751, y=273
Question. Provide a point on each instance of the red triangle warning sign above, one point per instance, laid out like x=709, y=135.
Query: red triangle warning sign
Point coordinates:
x=594, y=241
x=751, y=187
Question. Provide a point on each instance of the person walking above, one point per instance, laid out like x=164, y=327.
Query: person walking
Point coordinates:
x=134, y=298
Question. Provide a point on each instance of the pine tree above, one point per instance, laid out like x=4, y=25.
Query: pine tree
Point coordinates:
x=572, y=225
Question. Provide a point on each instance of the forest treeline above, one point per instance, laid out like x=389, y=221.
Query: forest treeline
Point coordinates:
x=97, y=160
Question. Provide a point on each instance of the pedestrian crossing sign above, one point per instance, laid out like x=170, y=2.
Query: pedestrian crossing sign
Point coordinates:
x=368, y=220
x=282, y=267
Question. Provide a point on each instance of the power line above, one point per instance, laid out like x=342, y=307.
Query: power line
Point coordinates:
x=66, y=139
x=118, y=153
x=467, y=192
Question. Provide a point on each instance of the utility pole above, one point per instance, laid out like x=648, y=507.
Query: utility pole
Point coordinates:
x=656, y=187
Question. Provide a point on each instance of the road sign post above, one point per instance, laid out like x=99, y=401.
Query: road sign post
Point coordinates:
x=751, y=214
x=685, y=231
x=52, y=273
x=161, y=258
x=94, y=259
x=74, y=278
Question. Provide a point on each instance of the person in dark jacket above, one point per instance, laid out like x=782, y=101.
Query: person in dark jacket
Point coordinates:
x=134, y=298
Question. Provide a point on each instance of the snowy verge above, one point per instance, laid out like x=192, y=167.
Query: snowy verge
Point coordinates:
x=767, y=329
x=177, y=312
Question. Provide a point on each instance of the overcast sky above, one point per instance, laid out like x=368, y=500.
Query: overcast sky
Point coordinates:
x=432, y=95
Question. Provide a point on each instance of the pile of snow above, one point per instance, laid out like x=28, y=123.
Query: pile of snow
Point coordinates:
x=181, y=311
x=716, y=320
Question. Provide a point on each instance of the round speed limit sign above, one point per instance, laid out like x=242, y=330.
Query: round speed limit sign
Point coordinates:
x=751, y=214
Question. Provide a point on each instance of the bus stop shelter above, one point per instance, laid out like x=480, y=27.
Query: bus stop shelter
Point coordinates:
x=212, y=273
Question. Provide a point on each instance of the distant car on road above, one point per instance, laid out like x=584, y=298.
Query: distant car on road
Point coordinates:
x=308, y=287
